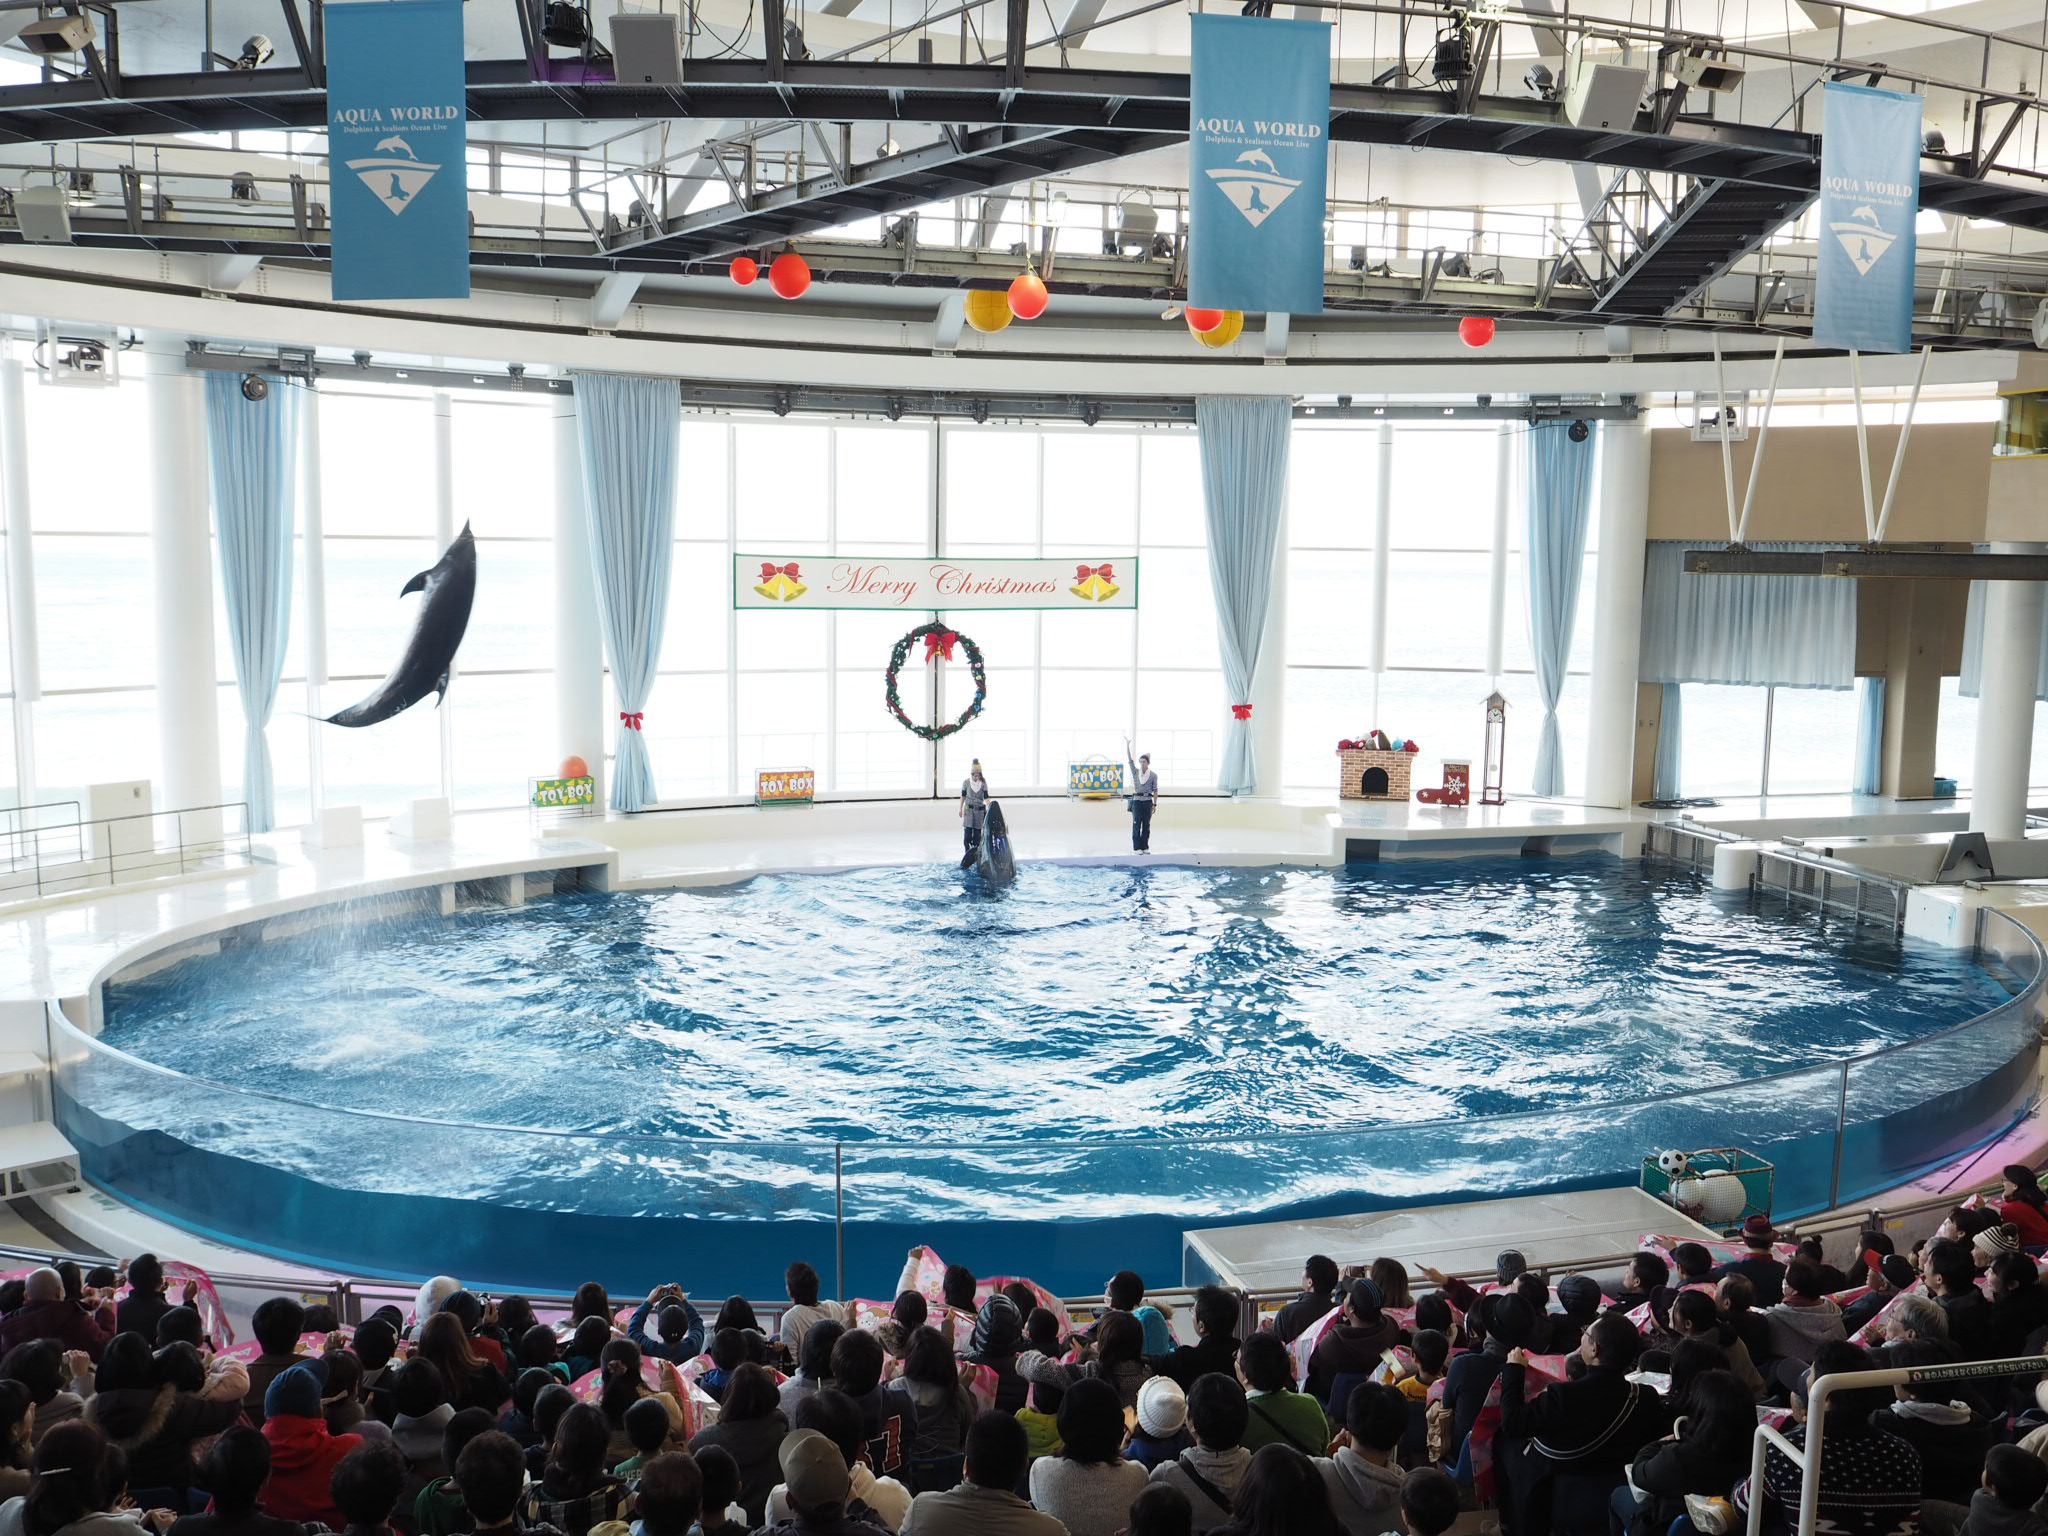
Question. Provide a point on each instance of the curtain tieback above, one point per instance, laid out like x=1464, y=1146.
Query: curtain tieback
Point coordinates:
x=1241, y=711
x=632, y=718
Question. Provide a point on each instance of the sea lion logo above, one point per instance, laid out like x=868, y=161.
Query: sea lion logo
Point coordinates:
x=1254, y=192
x=393, y=173
x=1863, y=238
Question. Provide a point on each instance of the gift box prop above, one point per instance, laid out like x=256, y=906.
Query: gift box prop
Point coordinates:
x=1457, y=788
x=1375, y=766
x=1098, y=778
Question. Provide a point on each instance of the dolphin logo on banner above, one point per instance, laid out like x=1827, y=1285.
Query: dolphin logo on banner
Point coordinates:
x=1863, y=238
x=1254, y=193
x=393, y=173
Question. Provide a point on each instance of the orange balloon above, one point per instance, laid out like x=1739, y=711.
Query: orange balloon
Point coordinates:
x=1203, y=319
x=744, y=270
x=789, y=275
x=1028, y=297
x=575, y=768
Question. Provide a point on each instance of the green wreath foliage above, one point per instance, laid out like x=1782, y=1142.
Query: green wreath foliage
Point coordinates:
x=974, y=661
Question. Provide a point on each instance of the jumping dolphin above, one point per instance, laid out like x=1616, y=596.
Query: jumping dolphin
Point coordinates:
x=449, y=587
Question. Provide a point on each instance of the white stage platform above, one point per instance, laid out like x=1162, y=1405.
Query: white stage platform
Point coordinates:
x=1550, y=1230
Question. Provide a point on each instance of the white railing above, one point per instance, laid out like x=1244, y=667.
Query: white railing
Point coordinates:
x=58, y=857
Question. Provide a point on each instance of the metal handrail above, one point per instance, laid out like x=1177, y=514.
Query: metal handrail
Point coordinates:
x=49, y=875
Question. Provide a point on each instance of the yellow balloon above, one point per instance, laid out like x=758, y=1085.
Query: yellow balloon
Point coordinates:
x=1224, y=334
x=988, y=309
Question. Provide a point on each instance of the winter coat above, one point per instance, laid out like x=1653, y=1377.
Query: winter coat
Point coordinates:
x=155, y=1428
x=303, y=1456
x=1348, y=1349
x=1798, y=1332
x=1364, y=1496
x=1951, y=1440
x=65, y=1321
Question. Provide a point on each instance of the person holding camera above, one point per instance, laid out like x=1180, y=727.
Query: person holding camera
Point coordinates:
x=679, y=1330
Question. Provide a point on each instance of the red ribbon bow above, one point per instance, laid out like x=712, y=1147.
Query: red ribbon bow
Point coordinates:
x=1083, y=572
x=769, y=572
x=939, y=643
x=632, y=718
x=1241, y=711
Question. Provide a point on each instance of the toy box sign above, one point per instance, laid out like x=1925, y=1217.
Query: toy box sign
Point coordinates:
x=917, y=584
x=559, y=794
x=785, y=786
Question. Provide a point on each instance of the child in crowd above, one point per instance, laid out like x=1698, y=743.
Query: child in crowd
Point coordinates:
x=728, y=1354
x=1429, y=1502
x=1161, y=1431
x=1432, y=1353
x=647, y=1426
x=721, y=1477
x=1040, y=1418
x=1161, y=1510
x=2014, y=1482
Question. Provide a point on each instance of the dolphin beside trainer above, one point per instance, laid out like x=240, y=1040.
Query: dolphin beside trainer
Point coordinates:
x=449, y=589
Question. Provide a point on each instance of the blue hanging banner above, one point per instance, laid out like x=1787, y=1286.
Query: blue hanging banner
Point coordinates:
x=397, y=144
x=1258, y=163
x=1869, y=199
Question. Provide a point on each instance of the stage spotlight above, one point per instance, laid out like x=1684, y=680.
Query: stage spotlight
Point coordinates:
x=1452, y=59
x=978, y=409
x=565, y=26
x=1455, y=264
x=1578, y=432
x=1541, y=82
x=242, y=186
x=256, y=52
x=1933, y=142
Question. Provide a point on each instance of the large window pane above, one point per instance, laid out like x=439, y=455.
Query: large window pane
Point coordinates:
x=1444, y=487
x=686, y=737
x=1176, y=610
x=376, y=464
x=1813, y=740
x=504, y=462
x=781, y=723
x=781, y=480
x=1084, y=714
x=1170, y=498
x=512, y=623
x=1329, y=607
x=368, y=622
x=884, y=477
x=1723, y=735
x=701, y=470
x=93, y=738
x=1091, y=491
x=94, y=606
x=1437, y=608
x=381, y=767
x=88, y=459
x=504, y=729
x=991, y=488
x=1331, y=479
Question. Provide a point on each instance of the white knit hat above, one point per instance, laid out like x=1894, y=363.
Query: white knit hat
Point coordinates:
x=1162, y=1407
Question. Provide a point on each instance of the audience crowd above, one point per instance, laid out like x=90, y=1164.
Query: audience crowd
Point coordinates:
x=1376, y=1403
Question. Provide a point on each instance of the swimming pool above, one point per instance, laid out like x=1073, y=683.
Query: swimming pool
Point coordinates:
x=1099, y=1056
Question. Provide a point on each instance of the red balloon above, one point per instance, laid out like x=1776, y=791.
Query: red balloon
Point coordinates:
x=1203, y=319
x=744, y=270
x=1476, y=330
x=789, y=275
x=1028, y=297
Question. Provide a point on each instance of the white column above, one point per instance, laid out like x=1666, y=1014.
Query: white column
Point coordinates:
x=2005, y=701
x=181, y=548
x=21, y=568
x=579, y=646
x=313, y=562
x=1618, y=610
x=1269, y=683
x=444, y=535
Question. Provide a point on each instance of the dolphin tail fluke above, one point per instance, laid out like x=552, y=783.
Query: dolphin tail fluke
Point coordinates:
x=417, y=584
x=440, y=689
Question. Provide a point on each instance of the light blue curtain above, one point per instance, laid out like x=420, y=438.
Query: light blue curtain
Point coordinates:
x=1792, y=631
x=1869, y=736
x=1667, y=780
x=252, y=458
x=1560, y=482
x=628, y=429
x=1973, y=647
x=1244, y=487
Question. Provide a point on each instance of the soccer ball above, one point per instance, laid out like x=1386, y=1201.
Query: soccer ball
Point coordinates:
x=1674, y=1164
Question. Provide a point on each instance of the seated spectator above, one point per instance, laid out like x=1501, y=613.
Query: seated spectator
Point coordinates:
x=2019, y=1305
x=1161, y=1431
x=888, y=1417
x=1089, y=1485
x=1951, y=1437
x=303, y=1454
x=985, y=1502
x=1391, y=1276
x=1042, y=1332
x=1215, y=1346
x=804, y=1309
x=647, y=1431
x=590, y=1301
x=908, y=1313
x=1432, y=1352
x=549, y=1404
x=479, y=1325
x=997, y=1330
x=1281, y=1495
x=437, y=1507
x=2022, y=1202
x=233, y=1471
x=42, y=1367
x=1805, y=1318
x=490, y=1475
x=1736, y=1298
x=419, y=1398
x=1209, y=1472
x=376, y=1345
x=1695, y=1317
x=277, y=1324
x=814, y=1362
x=1318, y=1296
x=48, y=1312
x=1708, y=1454
x=181, y=1325
x=145, y=1304
x=1814, y=1252
x=537, y=1349
x=470, y=1379
x=1363, y=1480
x=1161, y=1511
x=368, y=1483
x=585, y=1348
x=1117, y=1358
x=1506, y=1324
x=575, y=1490
x=74, y=1487
x=624, y=1385
x=1764, y=1271
x=832, y=1414
x=738, y=1312
x=1916, y=1317
x=817, y=1488
x=17, y=1437
x=1587, y=1430
x=1352, y=1345
x=1429, y=1502
x=517, y=1420
x=2014, y=1483
x=728, y=1353
x=343, y=1404
x=931, y=1378
x=751, y=1427
x=148, y=1420
x=679, y=1331
x=1581, y=1299
x=1646, y=1278
x=1993, y=1241
x=1040, y=1417
x=1869, y=1480
x=1952, y=1282
x=670, y=1497
x=721, y=1476
x=1891, y=1274
x=1278, y=1412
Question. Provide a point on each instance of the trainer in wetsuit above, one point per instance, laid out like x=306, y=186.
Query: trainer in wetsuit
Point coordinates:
x=1144, y=795
x=973, y=812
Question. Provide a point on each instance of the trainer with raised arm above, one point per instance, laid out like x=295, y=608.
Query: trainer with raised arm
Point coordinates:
x=1143, y=797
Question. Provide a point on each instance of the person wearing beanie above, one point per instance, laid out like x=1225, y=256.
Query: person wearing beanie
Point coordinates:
x=1215, y=1346
x=1158, y=1329
x=998, y=1329
x=1352, y=1346
x=303, y=1451
x=2022, y=1202
x=1318, y=1297
x=1992, y=1241
x=1161, y=1432
x=1759, y=1266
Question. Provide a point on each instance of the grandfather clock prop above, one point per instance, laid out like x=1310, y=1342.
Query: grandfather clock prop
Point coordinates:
x=1492, y=766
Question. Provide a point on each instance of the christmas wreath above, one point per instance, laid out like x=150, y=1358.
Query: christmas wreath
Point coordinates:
x=938, y=643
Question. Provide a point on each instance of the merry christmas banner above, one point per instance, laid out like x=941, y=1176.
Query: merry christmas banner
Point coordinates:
x=923, y=584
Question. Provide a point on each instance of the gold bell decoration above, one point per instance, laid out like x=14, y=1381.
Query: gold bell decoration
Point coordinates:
x=781, y=583
x=1095, y=583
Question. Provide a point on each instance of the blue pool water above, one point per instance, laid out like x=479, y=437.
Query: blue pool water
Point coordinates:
x=902, y=1005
